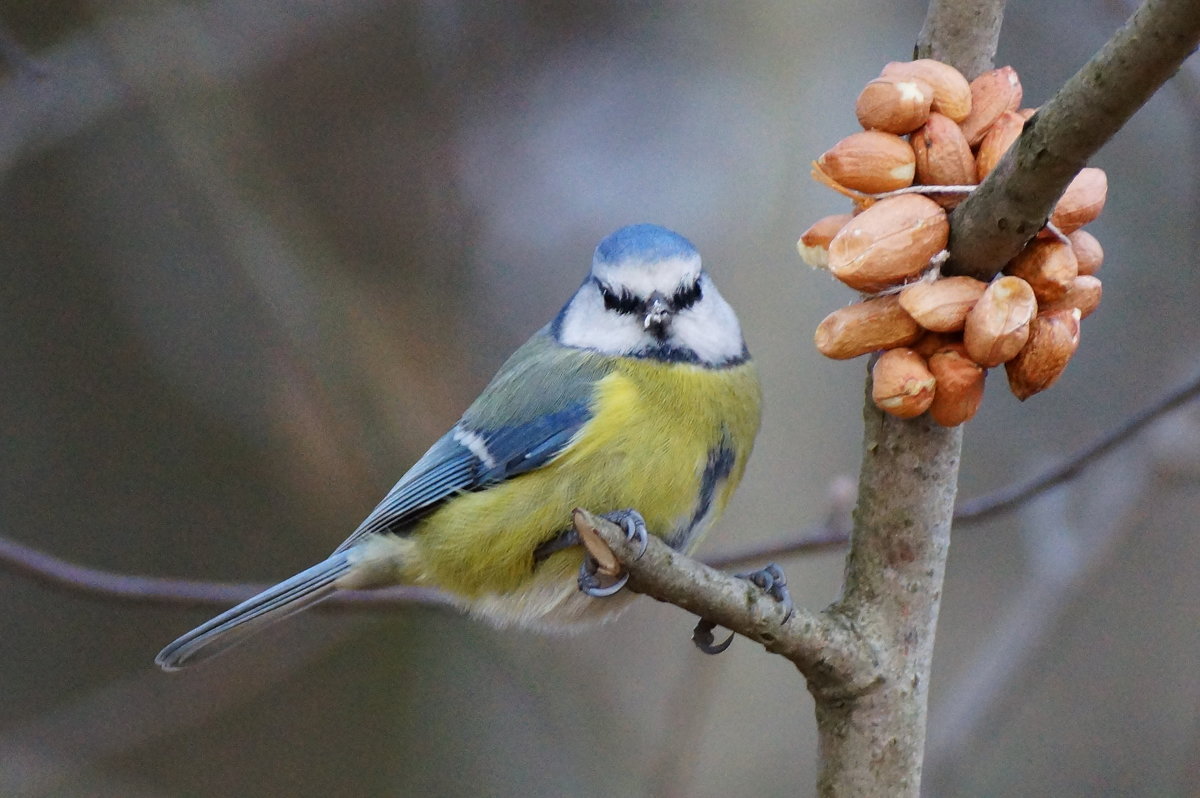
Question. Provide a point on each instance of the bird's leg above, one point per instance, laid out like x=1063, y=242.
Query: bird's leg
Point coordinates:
x=560, y=542
x=771, y=581
x=592, y=568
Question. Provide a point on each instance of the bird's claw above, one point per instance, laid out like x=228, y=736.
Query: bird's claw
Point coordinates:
x=772, y=582
x=702, y=636
x=634, y=525
x=590, y=583
x=589, y=572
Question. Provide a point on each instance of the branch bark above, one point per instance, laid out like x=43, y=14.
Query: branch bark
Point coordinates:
x=963, y=33
x=831, y=654
x=1013, y=496
x=875, y=744
x=989, y=228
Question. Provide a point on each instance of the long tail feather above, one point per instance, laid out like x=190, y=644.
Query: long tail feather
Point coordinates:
x=273, y=604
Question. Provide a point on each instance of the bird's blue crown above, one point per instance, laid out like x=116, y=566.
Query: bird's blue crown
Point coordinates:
x=643, y=242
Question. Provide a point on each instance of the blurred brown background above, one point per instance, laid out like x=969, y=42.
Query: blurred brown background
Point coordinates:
x=256, y=256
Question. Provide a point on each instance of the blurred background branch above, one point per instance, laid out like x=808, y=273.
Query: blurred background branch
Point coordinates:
x=833, y=533
x=1016, y=494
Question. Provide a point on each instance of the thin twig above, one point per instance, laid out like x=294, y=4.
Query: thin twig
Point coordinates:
x=828, y=536
x=1010, y=497
x=60, y=574
x=833, y=533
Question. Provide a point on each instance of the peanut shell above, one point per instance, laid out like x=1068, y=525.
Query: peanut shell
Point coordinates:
x=1048, y=265
x=959, y=390
x=889, y=242
x=999, y=138
x=1053, y=339
x=1084, y=294
x=1083, y=200
x=866, y=326
x=814, y=242
x=870, y=161
x=943, y=305
x=901, y=383
x=943, y=157
x=992, y=93
x=1088, y=252
x=894, y=104
x=998, y=326
x=951, y=91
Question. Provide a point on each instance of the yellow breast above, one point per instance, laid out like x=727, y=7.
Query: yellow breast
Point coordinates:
x=654, y=431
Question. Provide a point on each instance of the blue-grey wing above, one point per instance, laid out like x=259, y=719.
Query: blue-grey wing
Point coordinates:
x=529, y=412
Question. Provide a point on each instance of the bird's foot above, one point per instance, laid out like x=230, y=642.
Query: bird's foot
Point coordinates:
x=771, y=581
x=634, y=525
x=596, y=565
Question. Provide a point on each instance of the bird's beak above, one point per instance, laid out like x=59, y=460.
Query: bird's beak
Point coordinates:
x=658, y=315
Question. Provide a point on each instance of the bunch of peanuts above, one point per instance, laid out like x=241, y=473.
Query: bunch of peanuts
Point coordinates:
x=928, y=138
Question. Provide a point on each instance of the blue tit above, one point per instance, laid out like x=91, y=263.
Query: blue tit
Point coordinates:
x=639, y=394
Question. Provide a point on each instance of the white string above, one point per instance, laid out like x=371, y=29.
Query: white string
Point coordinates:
x=1059, y=234
x=921, y=189
x=931, y=273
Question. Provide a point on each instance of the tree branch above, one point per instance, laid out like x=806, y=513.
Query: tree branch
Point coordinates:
x=832, y=533
x=875, y=743
x=830, y=654
x=963, y=33
x=1012, y=496
x=989, y=228
x=894, y=572
x=60, y=574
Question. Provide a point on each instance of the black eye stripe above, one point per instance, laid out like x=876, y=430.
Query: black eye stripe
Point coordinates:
x=625, y=303
x=621, y=303
x=686, y=296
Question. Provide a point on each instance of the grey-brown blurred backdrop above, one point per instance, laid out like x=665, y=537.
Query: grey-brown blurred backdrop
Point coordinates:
x=258, y=254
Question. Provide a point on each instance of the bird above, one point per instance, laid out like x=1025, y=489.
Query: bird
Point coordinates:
x=639, y=401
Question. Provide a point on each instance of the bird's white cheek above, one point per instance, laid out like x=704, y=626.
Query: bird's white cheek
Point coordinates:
x=589, y=326
x=715, y=337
